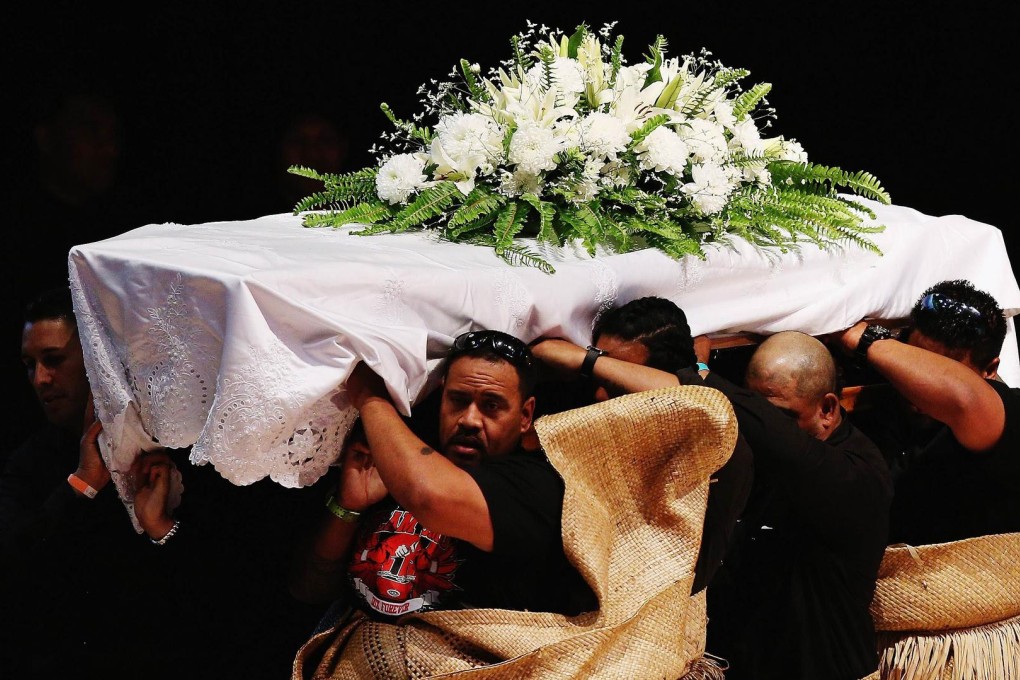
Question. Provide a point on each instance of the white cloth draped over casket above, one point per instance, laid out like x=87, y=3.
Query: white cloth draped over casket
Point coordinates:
x=232, y=337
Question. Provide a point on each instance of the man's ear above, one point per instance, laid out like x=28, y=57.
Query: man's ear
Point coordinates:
x=830, y=408
x=527, y=413
x=991, y=370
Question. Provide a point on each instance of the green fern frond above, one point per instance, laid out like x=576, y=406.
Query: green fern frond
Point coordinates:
x=521, y=60
x=747, y=101
x=676, y=248
x=583, y=224
x=867, y=185
x=302, y=171
x=430, y=203
x=319, y=199
x=465, y=231
x=546, y=217
x=790, y=173
x=727, y=76
x=479, y=202
x=548, y=58
x=509, y=222
x=615, y=61
x=518, y=255
x=364, y=213
x=639, y=135
x=475, y=91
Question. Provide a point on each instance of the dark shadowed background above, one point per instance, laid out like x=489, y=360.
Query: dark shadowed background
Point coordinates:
x=918, y=95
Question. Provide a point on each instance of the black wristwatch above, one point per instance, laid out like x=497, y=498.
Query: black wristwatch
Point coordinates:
x=870, y=335
x=589, y=360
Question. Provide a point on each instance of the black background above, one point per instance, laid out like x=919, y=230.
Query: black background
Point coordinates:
x=919, y=95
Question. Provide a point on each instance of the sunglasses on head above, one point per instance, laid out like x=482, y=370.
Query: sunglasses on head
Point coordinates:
x=506, y=346
x=937, y=302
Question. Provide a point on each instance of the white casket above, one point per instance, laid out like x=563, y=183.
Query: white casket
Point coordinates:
x=232, y=337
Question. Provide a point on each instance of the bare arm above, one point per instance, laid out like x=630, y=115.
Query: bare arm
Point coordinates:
x=618, y=376
x=940, y=387
x=442, y=496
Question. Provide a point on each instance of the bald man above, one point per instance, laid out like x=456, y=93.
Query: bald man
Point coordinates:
x=794, y=603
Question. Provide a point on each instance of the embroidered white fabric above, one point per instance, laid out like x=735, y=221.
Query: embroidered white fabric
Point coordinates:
x=235, y=338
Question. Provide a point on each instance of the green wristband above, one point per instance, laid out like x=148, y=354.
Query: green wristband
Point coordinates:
x=340, y=512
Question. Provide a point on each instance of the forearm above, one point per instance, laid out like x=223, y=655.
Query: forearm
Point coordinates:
x=944, y=389
x=626, y=377
x=317, y=571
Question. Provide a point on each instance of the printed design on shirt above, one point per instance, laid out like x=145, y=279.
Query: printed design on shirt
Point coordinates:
x=402, y=567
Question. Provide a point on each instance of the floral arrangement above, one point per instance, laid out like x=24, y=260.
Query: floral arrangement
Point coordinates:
x=566, y=141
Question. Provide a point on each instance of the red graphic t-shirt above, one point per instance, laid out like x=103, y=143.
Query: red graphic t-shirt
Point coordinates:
x=400, y=566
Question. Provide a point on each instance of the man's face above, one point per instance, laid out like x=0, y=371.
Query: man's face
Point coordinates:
x=633, y=351
x=807, y=412
x=482, y=414
x=52, y=355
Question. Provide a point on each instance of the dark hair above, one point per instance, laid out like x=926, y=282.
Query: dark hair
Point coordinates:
x=659, y=324
x=497, y=346
x=53, y=303
x=957, y=315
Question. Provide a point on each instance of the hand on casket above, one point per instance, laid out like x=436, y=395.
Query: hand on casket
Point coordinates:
x=151, y=474
x=360, y=485
x=91, y=468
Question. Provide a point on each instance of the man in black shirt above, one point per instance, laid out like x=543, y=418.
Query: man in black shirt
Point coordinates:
x=955, y=456
x=653, y=331
x=795, y=601
x=478, y=525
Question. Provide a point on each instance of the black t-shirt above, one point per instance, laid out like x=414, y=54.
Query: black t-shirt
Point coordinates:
x=946, y=493
x=399, y=567
x=794, y=600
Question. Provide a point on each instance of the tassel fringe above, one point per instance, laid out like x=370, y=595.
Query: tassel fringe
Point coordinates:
x=989, y=652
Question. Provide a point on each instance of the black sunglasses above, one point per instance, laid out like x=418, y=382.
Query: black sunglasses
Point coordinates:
x=506, y=346
x=937, y=302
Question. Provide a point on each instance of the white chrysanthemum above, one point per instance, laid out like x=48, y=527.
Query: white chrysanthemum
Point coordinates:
x=663, y=151
x=567, y=77
x=705, y=139
x=399, y=177
x=603, y=136
x=722, y=110
x=533, y=148
x=710, y=187
x=517, y=183
x=471, y=141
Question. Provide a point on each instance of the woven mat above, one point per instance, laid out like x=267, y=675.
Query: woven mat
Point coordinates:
x=636, y=470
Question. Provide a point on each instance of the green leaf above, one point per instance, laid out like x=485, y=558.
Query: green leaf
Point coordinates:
x=747, y=101
x=575, y=41
x=657, y=50
x=430, y=203
x=509, y=223
x=478, y=203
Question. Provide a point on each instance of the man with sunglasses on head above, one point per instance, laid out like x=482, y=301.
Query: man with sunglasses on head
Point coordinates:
x=475, y=524
x=957, y=465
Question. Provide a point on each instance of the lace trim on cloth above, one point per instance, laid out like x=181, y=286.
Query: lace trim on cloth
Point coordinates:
x=155, y=385
x=296, y=449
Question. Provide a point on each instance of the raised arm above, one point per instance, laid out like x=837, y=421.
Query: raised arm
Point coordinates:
x=442, y=496
x=938, y=386
x=618, y=377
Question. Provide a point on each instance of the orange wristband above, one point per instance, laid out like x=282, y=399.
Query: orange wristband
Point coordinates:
x=81, y=486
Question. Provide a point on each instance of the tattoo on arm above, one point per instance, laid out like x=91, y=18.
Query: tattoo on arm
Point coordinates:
x=426, y=451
